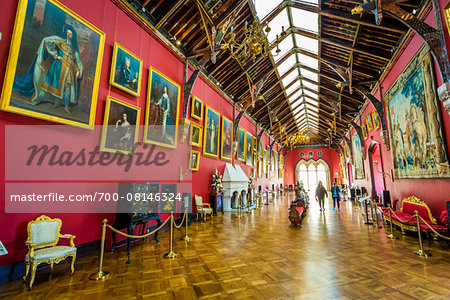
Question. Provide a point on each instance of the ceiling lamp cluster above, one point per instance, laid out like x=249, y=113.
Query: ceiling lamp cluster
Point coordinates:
x=299, y=138
x=253, y=42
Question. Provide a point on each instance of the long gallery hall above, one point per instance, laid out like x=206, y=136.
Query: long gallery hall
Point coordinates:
x=235, y=149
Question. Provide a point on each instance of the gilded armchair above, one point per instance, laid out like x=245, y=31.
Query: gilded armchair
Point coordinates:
x=43, y=236
x=201, y=207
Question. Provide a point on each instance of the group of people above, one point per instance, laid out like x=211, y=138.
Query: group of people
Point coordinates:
x=321, y=193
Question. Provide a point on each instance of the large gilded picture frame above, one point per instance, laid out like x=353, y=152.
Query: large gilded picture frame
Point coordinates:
x=414, y=120
x=161, y=113
x=195, y=135
x=248, y=150
x=358, y=161
x=196, y=108
x=126, y=70
x=54, y=65
x=242, y=144
x=120, y=126
x=211, y=130
x=226, y=142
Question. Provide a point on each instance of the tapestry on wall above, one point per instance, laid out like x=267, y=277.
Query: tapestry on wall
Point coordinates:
x=358, y=161
x=414, y=121
x=54, y=65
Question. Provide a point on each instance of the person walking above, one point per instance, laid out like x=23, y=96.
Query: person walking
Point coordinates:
x=335, y=193
x=321, y=192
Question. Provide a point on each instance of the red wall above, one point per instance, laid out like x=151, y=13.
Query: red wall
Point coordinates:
x=118, y=27
x=293, y=157
x=433, y=191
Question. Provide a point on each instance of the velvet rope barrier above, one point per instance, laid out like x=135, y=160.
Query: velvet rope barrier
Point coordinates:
x=181, y=224
x=434, y=231
x=103, y=274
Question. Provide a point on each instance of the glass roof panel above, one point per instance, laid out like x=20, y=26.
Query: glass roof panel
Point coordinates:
x=285, y=46
x=309, y=74
x=311, y=101
x=264, y=7
x=311, y=86
x=307, y=43
x=308, y=60
x=290, y=77
x=292, y=88
x=311, y=94
x=295, y=96
x=286, y=65
x=305, y=19
x=275, y=25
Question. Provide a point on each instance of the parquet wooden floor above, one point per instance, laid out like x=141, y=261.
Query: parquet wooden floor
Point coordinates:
x=334, y=256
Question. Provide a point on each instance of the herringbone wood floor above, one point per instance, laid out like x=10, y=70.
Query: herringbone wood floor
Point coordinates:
x=260, y=257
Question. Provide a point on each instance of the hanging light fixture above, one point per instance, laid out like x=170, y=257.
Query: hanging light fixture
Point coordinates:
x=299, y=138
x=254, y=42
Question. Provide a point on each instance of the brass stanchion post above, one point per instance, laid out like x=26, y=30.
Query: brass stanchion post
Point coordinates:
x=391, y=235
x=186, y=237
x=101, y=274
x=377, y=224
x=367, y=222
x=420, y=252
x=171, y=254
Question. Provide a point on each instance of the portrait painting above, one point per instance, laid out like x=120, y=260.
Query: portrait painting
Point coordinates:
x=254, y=145
x=196, y=108
x=54, y=65
x=227, y=139
x=194, y=160
x=364, y=130
x=242, y=144
x=376, y=120
x=211, y=133
x=161, y=115
x=264, y=162
x=369, y=122
x=126, y=70
x=255, y=159
x=260, y=169
x=195, y=136
x=358, y=161
x=414, y=120
x=248, y=151
x=260, y=149
x=120, y=126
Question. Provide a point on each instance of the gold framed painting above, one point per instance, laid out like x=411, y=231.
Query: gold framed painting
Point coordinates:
x=196, y=108
x=242, y=144
x=195, y=135
x=41, y=80
x=254, y=146
x=126, y=70
x=120, y=127
x=364, y=131
x=161, y=114
x=194, y=160
x=255, y=159
x=248, y=151
x=226, y=139
x=369, y=122
x=211, y=133
x=447, y=17
x=376, y=120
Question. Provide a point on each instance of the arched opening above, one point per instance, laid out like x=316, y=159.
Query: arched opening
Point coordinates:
x=376, y=169
x=310, y=172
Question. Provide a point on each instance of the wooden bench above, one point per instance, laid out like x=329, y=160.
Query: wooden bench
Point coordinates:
x=409, y=206
x=296, y=213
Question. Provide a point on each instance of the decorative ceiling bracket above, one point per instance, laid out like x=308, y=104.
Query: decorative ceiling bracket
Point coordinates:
x=350, y=148
x=433, y=37
x=378, y=105
x=361, y=138
x=258, y=138
x=187, y=90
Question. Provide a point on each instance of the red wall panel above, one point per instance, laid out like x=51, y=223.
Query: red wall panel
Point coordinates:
x=118, y=27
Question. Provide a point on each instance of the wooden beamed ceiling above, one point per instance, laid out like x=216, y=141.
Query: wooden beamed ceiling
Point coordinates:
x=349, y=45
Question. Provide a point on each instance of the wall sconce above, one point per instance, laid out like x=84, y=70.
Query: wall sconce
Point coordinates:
x=375, y=163
x=431, y=147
